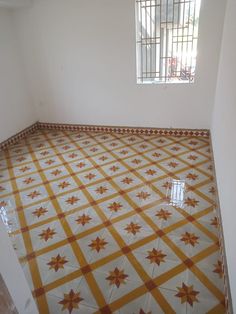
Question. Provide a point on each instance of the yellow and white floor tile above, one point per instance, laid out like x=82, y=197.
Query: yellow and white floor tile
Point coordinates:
x=114, y=223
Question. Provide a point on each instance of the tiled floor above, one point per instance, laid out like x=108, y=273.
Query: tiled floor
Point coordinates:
x=111, y=223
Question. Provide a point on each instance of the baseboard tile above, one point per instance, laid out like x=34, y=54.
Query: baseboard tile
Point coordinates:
x=123, y=129
x=19, y=136
x=106, y=129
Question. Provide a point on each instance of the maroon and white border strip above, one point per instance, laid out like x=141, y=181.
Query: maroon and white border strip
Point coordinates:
x=105, y=129
x=19, y=136
x=119, y=129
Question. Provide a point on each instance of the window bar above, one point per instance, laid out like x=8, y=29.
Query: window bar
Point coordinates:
x=187, y=44
x=182, y=43
x=150, y=39
x=155, y=40
x=177, y=45
x=167, y=40
x=167, y=37
x=141, y=37
x=172, y=37
x=146, y=35
x=161, y=41
x=193, y=38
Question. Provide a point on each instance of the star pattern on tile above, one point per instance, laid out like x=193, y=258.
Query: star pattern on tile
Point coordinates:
x=50, y=162
x=56, y=172
x=156, y=256
x=189, y=238
x=114, y=168
x=215, y=222
x=57, y=262
x=34, y=194
x=219, y=269
x=29, y=180
x=192, y=176
x=173, y=164
x=212, y=190
x=192, y=202
x=143, y=195
x=71, y=301
x=127, y=180
x=20, y=159
x=98, y=244
x=192, y=157
x=101, y=190
x=72, y=200
x=83, y=219
x=133, y=228
x=40, y=211
x=187, y=294
x=103, y=158
x=136, y=161
x=115, y=206
x=163, y=214
x=150, y=172
x=167, y=185
x=24, y=169
x=117, y=277
x=81, y=165
x=90, y=176
x=63, y=185
x=47, y=234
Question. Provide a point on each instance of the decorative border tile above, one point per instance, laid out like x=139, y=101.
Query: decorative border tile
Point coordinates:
x=123, y=129
x=106, y=129
x=19, y=136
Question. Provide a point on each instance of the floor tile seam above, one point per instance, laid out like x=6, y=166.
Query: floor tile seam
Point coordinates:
x=198, y=225
x=182, y=170
x=95, y=265
x=101, y=226
x=207, y=283
x=115, y=235
x=136, y=153
x=69, y=175
x=189, y=149
x=177, y=250
x=76, y=273
x=73, y=211
x=195, y=166
x=82, y=260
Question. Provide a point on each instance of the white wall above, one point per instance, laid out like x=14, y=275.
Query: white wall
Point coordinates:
x=14, y=277
x=16, y=111
x=80, y=57
x=15, y=3
x=224, y=142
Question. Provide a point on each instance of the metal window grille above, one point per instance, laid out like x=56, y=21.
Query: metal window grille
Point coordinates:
x=166, y=40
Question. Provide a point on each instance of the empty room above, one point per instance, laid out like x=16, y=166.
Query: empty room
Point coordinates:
x=117, y=156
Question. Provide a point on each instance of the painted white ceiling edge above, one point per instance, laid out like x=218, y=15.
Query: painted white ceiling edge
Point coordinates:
x=15, y=3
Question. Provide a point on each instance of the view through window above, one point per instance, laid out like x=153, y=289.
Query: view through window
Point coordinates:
x=166, y=40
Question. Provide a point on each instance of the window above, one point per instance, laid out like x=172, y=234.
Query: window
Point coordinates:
x=166, y=40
